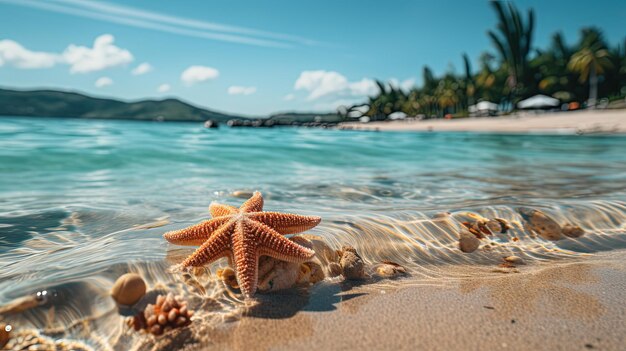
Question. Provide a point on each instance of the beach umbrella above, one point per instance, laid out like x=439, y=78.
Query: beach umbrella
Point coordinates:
x=538, y=101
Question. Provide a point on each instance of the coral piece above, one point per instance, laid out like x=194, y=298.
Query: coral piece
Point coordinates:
x=352, y=265
x=167, y=313
x=245, y=234
x=572, y=231
x=128, y=289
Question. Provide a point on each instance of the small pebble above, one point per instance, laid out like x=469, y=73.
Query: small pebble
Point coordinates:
x=541, y=224
x=128, y=289
x=468, y=242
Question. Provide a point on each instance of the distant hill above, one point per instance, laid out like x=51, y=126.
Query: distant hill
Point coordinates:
x=51, y=103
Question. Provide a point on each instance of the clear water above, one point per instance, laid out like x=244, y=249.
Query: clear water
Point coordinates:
x=76, y=196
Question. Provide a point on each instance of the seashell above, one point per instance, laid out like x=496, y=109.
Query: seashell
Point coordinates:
x=229, y=277
x=514, y=260
x=322, y=251
x=283, y=275
x=128, y=289
x=32, y=340
x=541, y=224
x=352, y=265
x=5, y=334
x=572, y=231
x=317, y=273
x=304, y=275
x=334, y=269
x=388, y=269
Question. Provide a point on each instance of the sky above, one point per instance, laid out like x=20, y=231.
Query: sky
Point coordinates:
x=256, y=57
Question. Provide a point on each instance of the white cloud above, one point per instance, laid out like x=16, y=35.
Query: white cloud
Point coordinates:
x=14, y=54
x=103, y=82
x=289, y=97
x=143, y=68
x=81, y=59
x=332, y=84
x=238, y=90
x=164, y=88
x=103, y=54
x=196, y=74
x=141, y=18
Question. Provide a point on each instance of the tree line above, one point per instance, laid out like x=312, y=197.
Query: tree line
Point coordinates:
x=579, y=73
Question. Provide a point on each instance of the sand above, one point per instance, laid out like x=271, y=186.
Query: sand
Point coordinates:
x=566, y=305
x=579, y=122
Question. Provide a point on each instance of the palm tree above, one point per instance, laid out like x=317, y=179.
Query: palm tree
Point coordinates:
x=590, y=60
x=513, y=41
x=470, y=86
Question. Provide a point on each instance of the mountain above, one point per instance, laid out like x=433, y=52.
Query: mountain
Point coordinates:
x=51, y=103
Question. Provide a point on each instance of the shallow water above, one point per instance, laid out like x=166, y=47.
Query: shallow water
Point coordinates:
x=82, y=202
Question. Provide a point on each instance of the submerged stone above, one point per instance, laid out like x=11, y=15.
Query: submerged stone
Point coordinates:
x=572, y=231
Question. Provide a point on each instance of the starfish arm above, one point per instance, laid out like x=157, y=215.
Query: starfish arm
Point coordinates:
x=217, y=246
x=286, y=223
x=196, y=234
x=245, y=258
x=272, y=243
x=219, y=210
x=253, y=204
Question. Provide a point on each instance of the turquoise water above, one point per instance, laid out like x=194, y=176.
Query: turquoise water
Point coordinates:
x=73, y=193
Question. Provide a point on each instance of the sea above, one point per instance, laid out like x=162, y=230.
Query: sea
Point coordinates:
x=84, y=201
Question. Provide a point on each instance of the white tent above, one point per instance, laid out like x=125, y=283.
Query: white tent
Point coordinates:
x=483, y=106
x=538, y=101
x=397, y=115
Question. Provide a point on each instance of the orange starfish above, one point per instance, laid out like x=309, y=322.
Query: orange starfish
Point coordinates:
x=244, y=235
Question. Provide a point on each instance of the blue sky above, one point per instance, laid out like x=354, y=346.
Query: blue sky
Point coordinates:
x=256, y=57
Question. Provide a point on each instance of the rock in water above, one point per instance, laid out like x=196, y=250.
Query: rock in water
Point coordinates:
x=352, y=264
x=128, y=289
x=541, y=224
x=572, y=231
x=468, y=242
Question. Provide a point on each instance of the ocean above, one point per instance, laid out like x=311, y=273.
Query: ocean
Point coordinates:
x=82, y=201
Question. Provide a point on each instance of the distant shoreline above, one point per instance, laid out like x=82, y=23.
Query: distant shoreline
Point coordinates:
x=575, y=122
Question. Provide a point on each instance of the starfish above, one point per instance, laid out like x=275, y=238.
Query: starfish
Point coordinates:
x=243, y=235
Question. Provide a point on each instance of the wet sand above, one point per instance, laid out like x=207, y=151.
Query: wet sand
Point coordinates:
x=579, y=122
x=569, y=305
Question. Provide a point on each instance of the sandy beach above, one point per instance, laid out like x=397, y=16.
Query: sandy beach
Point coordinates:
x=571, y=305
x=580, y=122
